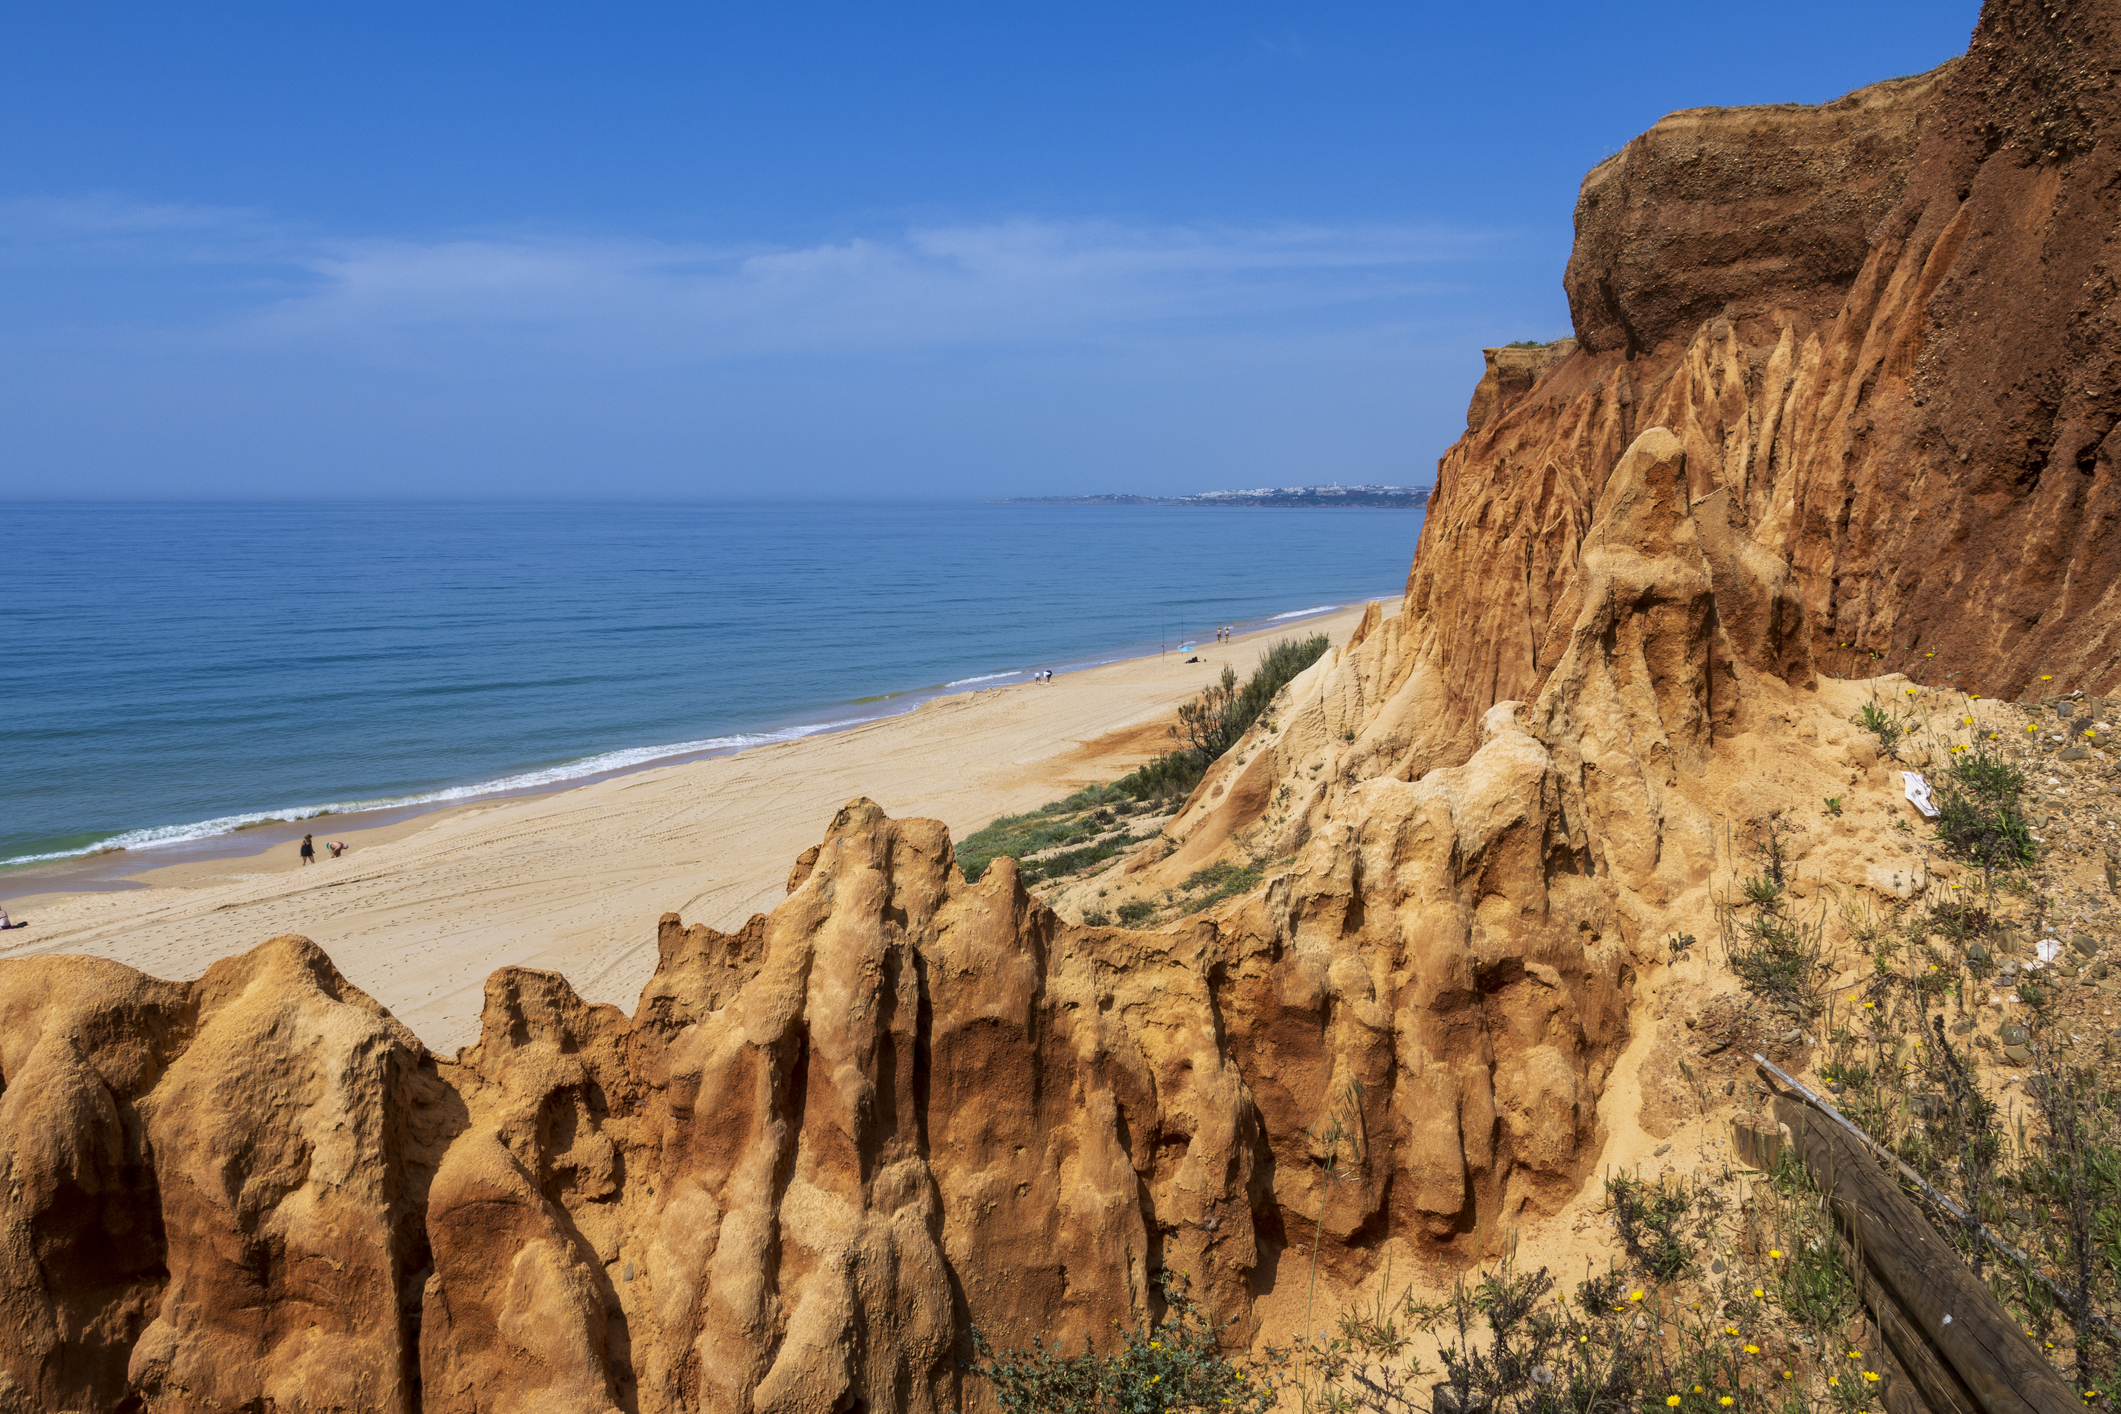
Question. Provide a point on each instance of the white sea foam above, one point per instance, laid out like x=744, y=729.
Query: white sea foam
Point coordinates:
x=162, y=835
x=1301, y=613
x=984, y=677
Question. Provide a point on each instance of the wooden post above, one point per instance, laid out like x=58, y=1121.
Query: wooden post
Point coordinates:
x=1956, y=1342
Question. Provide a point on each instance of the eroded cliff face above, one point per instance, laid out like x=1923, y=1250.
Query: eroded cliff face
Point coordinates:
x=1840, y=372
x=825, y=1145
x=1884, y=329
x=215, y=1192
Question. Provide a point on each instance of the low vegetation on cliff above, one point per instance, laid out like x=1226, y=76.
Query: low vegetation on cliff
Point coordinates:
x=1068, y=837
x=1726, y=1286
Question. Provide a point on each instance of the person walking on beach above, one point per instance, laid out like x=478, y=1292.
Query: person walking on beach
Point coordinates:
x=309, y=850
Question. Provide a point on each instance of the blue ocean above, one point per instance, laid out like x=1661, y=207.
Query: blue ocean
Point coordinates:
x=170, y=672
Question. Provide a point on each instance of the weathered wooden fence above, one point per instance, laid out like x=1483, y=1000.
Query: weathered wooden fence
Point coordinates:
x=1954, y=1349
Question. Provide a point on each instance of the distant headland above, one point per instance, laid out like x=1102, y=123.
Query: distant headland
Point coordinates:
x=1400, y=498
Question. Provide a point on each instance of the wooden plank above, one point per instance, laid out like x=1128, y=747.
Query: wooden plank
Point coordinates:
x=1922, y=1377
x=1941, y=1304
x=1901, y=1395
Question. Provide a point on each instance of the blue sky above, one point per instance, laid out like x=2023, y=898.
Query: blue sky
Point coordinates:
x=659, y=251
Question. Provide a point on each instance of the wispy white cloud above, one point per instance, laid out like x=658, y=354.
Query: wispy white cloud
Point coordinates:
x=1005, y=283
x=1015, y=282
x=105, y=229
x=234, y=345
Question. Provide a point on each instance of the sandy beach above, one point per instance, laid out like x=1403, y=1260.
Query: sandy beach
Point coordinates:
x=420, y=911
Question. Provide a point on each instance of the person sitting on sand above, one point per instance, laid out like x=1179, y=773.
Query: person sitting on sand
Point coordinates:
x=309, y=850
x=7, y=922
x=337, y=847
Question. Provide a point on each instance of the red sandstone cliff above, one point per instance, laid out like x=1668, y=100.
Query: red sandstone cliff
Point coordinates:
x=1840, y=371
x=1884, y=330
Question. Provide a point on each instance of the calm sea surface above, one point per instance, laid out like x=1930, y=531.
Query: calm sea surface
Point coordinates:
x=168, y=672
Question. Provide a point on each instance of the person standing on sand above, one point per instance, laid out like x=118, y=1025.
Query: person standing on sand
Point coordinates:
x=309, y=850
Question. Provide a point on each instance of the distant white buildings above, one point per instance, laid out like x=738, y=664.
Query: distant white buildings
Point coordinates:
x=1334, y=489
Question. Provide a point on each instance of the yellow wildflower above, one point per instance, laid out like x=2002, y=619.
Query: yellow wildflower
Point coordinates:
x=1672, y=1400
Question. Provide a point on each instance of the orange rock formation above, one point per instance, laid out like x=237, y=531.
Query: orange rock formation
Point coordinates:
x=898, y=1104
x=825, y=1145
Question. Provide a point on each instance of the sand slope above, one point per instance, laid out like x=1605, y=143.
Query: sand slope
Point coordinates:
x=574, y=881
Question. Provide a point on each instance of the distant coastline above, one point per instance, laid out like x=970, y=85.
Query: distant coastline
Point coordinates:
x=1334, y=497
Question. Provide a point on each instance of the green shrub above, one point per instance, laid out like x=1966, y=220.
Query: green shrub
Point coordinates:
x=1136, y=913
x=1170, y=776
x=1072, y=861
x=1885, y=724
x=1212, y=723
x=1651, y=1222
x=1220, y=881
x=1082, y=817
x=1977, y=809
x=1779, y=957
x=1172, y=1366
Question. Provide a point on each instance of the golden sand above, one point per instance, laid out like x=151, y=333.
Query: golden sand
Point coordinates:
x=419, y=912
